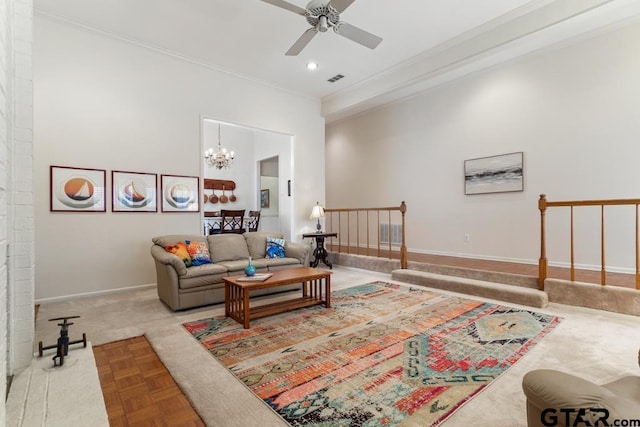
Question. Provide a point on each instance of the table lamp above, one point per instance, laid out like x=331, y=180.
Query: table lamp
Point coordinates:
x=317, y=213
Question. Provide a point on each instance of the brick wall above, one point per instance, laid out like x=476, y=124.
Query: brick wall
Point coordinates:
x=16, y=189
x=5, y=22
x=22, y=215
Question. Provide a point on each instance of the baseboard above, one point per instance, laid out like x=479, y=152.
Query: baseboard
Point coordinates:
x=94, y=294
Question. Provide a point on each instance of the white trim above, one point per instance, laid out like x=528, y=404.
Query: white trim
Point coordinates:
x=94, y=294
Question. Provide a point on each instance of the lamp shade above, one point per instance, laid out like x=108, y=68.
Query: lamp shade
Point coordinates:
x=317, y=212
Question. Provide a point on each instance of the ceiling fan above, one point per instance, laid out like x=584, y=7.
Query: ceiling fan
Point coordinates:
x=322, y=15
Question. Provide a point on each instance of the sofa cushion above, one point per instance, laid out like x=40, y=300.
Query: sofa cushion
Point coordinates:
x=260, y=263
x=237, y=267
x=257, y=242
x=227, y=247
x=203, y=275
x=277, y=263
x=205, y=270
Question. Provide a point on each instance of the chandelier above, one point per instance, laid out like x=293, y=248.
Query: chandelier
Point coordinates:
x=220, y=158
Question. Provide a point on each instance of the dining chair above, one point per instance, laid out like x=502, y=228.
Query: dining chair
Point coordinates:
x=254, y=221
x=232, y=221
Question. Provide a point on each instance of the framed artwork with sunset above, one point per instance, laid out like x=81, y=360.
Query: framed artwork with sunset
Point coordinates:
x=75, y=189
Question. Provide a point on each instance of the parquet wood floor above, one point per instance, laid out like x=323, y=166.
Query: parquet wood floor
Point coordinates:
x=137, y=388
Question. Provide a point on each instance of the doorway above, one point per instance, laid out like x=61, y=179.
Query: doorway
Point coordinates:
x=252, y=147
x=269, y=187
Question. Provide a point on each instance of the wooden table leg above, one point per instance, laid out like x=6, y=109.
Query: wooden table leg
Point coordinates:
x=327, y=290
x=227, y=302
x=245, y=297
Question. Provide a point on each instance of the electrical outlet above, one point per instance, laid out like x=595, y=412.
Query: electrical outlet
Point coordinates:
x=467, y=237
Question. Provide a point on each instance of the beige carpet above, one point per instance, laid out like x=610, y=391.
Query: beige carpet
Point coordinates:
x=600, y=346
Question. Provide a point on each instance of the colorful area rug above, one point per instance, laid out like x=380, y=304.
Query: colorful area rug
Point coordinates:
x=382, y=355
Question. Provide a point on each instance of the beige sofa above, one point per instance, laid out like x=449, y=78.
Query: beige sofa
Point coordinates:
x=180, y=287
x=561, y=399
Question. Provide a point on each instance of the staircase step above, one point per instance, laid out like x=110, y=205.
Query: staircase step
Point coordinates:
x=499, y=291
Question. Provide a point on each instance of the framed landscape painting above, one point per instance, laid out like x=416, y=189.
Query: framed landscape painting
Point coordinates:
x=76, y=189
x=264, y=198
x=494, y=174
x=134, y=191
x=180, y=193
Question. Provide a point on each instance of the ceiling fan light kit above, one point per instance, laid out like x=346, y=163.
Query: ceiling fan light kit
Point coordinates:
x=322, y=15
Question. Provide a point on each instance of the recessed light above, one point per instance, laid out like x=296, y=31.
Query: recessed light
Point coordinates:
x=311, y=65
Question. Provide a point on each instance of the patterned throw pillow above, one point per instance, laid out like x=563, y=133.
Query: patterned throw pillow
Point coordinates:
x=181, y=251
x=199, y=252
x=275, y=248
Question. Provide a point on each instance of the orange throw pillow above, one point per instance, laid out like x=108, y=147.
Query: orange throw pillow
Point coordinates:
x=180, y=249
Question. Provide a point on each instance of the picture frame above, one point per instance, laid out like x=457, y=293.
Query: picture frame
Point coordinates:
x=134, y=191
x=494, y=174
x=73, y=189
x=264, y=198
x=180, y=193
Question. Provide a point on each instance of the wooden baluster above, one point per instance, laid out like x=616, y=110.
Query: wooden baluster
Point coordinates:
x=573, y=270
x=403, y=248
x=379, y=237
x=368, y=242
x=348, y=232
x=339, y=228
x=542, y=263
x=637, y=253
x=358, y=232
x=603, y=273
x=389, y=234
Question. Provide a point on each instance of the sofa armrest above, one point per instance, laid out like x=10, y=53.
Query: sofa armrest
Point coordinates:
x=163, y=257
x=297, y=250
x=548, y=391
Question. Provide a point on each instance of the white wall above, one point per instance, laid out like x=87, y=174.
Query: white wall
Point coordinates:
x=241, y=141
x=105, y=103
x=268, y=146
x=574, y=112
x=271, y=183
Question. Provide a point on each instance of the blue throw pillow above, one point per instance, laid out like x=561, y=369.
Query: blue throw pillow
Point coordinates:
x=275, y=248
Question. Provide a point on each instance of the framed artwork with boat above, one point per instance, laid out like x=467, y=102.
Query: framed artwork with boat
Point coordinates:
x=134, y=191
x=74, y=189
x=180, y=193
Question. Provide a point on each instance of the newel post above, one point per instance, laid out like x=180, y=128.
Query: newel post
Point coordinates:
x=542, y=263
x=403, y=248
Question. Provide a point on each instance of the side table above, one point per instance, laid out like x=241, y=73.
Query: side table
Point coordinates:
x=320, y=253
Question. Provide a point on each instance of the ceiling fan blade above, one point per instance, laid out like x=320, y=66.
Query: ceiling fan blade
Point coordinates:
x=341, y=5
x=357, y=35
x=302, y=42
x=286, y=5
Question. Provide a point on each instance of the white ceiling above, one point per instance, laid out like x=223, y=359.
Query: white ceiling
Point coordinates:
x=425, y=42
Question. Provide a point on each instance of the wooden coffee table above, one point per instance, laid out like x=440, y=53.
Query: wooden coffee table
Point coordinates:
x=316, y=289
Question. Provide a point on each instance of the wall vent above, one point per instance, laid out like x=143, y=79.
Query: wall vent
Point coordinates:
x=335, y=78
x=395, y=232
